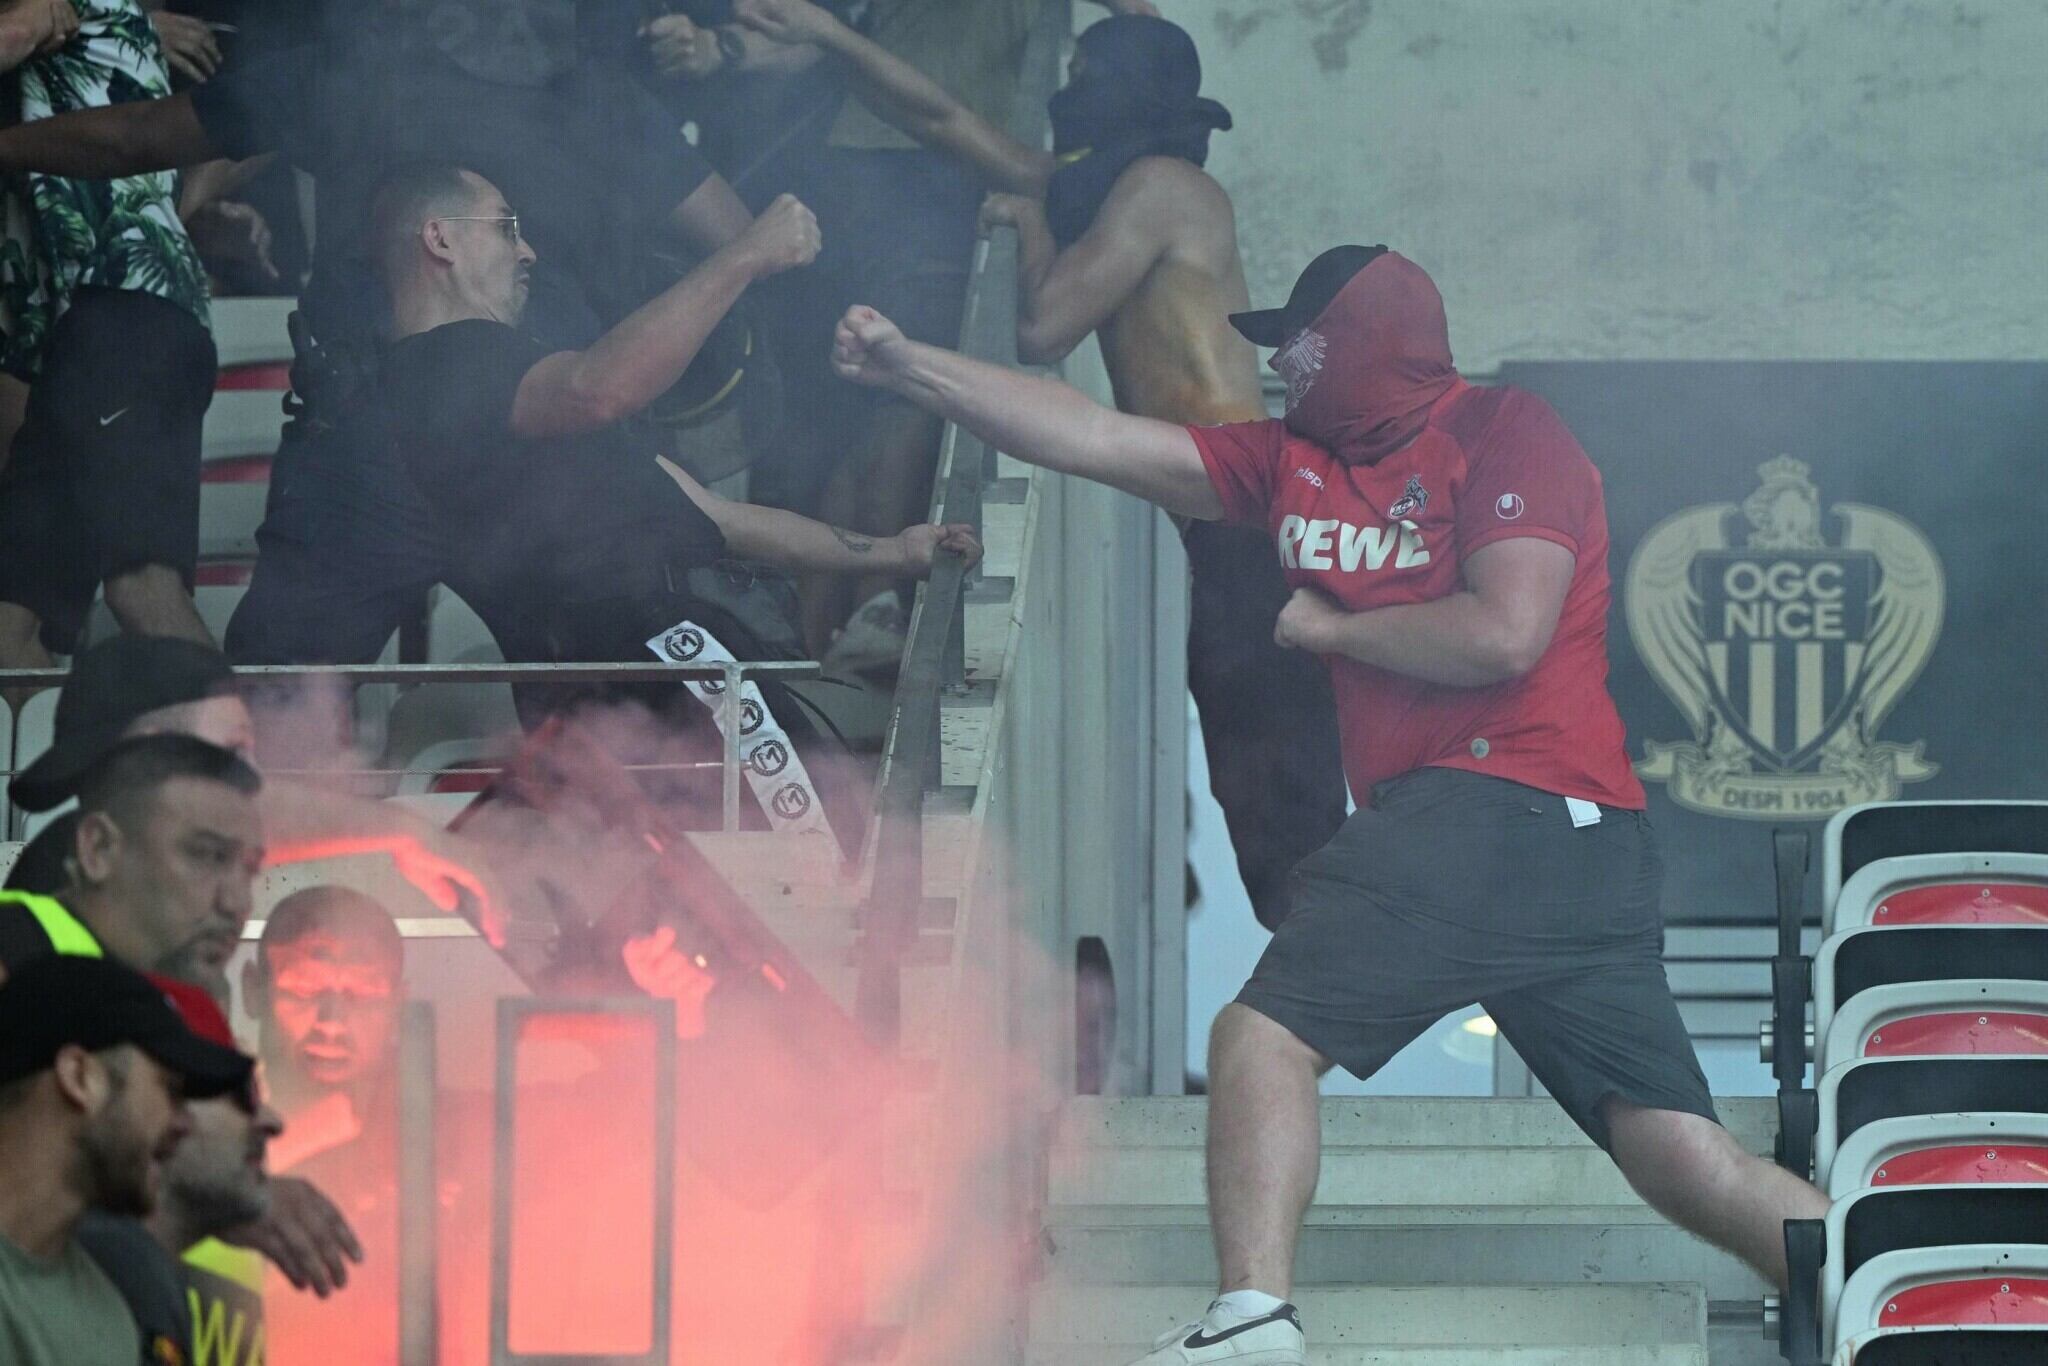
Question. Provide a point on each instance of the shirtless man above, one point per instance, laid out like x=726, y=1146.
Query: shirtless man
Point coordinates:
x=1120, y=232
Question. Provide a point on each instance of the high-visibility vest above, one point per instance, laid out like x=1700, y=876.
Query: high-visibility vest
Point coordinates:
x=224, y=1295
x=67, y=933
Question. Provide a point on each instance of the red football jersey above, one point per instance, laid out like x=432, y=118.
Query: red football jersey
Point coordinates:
x=1490, y=463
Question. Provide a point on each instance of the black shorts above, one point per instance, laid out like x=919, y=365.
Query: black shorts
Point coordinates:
x=346, y=553
x=104, y=476
x=1269, y=723
x=1455, y=888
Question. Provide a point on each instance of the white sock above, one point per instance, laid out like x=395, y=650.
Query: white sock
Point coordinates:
x=1248, y=1304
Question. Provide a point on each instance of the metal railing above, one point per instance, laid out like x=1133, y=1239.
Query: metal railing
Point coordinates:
x=934, y=658
x=732, y=673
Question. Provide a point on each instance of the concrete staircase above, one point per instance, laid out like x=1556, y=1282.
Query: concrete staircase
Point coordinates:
x=1445, y=1231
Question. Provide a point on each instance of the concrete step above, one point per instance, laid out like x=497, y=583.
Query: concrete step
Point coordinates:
x=1480, y=1177
x=1381, y=1122
x=1359, y=1320
x=1666, y=1354
x=1115, y=1246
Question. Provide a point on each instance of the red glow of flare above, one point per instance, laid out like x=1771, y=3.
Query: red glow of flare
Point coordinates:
x=774, y=978
x=439, y=880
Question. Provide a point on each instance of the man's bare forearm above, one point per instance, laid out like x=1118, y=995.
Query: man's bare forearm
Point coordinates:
x=790, y=541
x=635, y=363
x=711, y=216
x=1456, y=641
x=906, y=98
x=201, y=185
x=1046, y=423
x=111, y=142
x=1036, y=251
x=20, y=35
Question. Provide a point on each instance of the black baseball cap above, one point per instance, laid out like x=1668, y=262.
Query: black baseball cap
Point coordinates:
x=109, y=687
x=97, y=1003
x=1317, y=284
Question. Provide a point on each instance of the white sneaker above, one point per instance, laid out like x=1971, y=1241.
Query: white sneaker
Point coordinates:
x=873, y=637
x=1220, y=1336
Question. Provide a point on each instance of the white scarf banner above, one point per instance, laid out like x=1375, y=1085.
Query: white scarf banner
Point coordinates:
x=770, y=762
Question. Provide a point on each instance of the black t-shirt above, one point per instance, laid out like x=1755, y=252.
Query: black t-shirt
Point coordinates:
x=568, y=519
x=590, y=162
x=149, y=1279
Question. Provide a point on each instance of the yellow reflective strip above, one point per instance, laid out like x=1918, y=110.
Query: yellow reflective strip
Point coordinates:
x=67, y=933
x=237, y=1264
x=708, y=404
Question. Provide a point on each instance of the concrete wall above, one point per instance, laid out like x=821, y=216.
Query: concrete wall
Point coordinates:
x=1087, y=799
x=1654, y=178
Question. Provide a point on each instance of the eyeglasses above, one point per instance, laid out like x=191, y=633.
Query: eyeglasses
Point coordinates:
x=508, y=222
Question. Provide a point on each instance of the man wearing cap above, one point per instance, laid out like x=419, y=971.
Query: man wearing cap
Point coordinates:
x=131, y=686
x=1121, y=232
x=194, y=1298
x=157, y=871
x=161, y=859
x=1447, y=548
x=96, y=1067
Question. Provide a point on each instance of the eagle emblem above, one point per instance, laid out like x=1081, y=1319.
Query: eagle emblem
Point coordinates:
x=1299, y=362
x=1783, y=649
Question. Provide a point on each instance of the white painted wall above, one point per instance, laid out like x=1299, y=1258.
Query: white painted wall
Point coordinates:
x=1654, y=178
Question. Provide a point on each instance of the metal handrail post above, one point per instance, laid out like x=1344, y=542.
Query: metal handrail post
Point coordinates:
x=419, y=1191
x=731, y=711
x=733, y=674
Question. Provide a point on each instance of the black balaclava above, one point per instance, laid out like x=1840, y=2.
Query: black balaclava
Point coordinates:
x=1137, y=95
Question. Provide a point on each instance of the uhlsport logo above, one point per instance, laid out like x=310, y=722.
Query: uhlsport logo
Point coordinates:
x=1784, y=651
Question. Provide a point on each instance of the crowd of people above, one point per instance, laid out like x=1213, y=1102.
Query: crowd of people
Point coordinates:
x=560, y=269
x=539, y=331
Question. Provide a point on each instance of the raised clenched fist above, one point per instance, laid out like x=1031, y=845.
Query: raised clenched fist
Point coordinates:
x=866, y=346
x=783, y=237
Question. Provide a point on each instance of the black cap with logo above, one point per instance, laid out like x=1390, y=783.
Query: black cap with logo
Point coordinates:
x=1317, y=284
x=110, y=686
x=96, y=1003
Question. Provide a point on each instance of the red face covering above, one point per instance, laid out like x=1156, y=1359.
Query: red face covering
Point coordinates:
x=1362, y=376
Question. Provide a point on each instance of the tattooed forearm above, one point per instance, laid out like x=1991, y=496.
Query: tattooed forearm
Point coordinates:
x=859, y=545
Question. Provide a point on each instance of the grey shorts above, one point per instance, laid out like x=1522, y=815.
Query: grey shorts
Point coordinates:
x=1456, y=887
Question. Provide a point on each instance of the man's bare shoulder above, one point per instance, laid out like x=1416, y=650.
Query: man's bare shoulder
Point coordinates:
x=1176, y=203
x=1174, y=182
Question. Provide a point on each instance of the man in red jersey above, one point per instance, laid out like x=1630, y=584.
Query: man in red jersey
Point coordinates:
x=1447, y=548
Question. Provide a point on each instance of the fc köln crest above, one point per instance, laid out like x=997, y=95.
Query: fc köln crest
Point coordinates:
x=1783, y=649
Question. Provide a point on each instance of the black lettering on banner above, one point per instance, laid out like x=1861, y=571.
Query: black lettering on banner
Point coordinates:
x=713, y=687
x=791, y=801
x=751, y=716
x=769, y=758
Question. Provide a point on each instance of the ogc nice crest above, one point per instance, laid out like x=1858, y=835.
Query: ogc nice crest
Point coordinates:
x=1784, y=636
